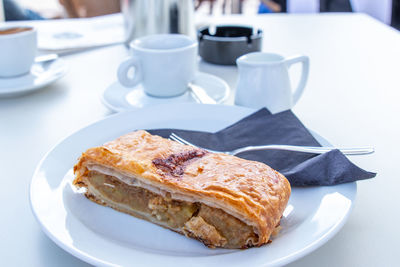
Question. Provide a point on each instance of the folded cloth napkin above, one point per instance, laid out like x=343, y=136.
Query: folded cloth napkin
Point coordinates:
x=263, y=128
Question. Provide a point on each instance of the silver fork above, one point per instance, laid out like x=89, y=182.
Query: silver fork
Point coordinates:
x=305, y=149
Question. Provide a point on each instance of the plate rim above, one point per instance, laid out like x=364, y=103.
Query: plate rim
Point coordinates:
x=97, y=261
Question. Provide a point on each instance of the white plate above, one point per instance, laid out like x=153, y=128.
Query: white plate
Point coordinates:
x=119, y=98
x=102, y=236
x=41, y=74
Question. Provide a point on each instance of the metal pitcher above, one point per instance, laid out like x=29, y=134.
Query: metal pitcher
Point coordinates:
x=145, y=17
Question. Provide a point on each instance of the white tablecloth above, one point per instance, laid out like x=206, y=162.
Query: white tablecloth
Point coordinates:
x=352, y=99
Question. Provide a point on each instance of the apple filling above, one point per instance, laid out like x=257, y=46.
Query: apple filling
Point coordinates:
x=196, y=220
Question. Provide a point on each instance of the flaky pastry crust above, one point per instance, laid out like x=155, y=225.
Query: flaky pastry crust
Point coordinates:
x=248, y=190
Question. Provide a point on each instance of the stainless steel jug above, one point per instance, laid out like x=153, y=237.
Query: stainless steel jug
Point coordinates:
x=145, y=17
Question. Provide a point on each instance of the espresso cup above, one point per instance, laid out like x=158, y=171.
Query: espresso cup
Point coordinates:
x=18, y=47
x=164, y=64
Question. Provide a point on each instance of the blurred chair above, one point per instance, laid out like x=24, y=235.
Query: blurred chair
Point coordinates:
x=315, y=6
x=90, y=8
x=379, y=9
x=335, y=6
x=302, y=6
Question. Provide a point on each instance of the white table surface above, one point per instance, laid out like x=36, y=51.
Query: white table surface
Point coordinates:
x=352, y=99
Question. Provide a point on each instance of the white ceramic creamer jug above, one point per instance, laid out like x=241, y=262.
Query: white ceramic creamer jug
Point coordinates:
x=264, y=81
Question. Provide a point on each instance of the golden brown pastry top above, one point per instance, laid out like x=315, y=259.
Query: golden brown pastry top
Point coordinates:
x=249, y=190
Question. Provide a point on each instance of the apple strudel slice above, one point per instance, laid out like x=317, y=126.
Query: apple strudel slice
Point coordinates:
x=218, y=199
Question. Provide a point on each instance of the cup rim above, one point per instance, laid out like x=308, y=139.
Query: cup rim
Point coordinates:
x=136, y=47
x=242, y=60
x=18, y=34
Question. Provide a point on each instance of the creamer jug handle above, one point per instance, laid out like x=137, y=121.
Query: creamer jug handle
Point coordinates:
x=296, y=94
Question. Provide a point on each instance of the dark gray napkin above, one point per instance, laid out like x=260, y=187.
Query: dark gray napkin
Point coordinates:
x=262, y=128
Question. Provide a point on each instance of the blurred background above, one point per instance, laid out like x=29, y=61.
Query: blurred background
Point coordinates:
x=387, y=11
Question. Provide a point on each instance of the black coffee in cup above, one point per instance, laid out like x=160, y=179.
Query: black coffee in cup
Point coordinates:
x=14, y=30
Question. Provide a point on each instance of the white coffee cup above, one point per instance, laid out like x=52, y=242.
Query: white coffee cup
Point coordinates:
x=264, y=81
x=18, y=46
x=164, y=64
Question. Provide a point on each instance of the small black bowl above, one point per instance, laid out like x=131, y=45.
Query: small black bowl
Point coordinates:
x=228, y=43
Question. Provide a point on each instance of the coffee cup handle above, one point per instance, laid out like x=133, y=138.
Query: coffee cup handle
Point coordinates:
x=123, y=69
x=304, y=75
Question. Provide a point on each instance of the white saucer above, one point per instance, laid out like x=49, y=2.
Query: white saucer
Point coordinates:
x=41, y=75
x=119, y=98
